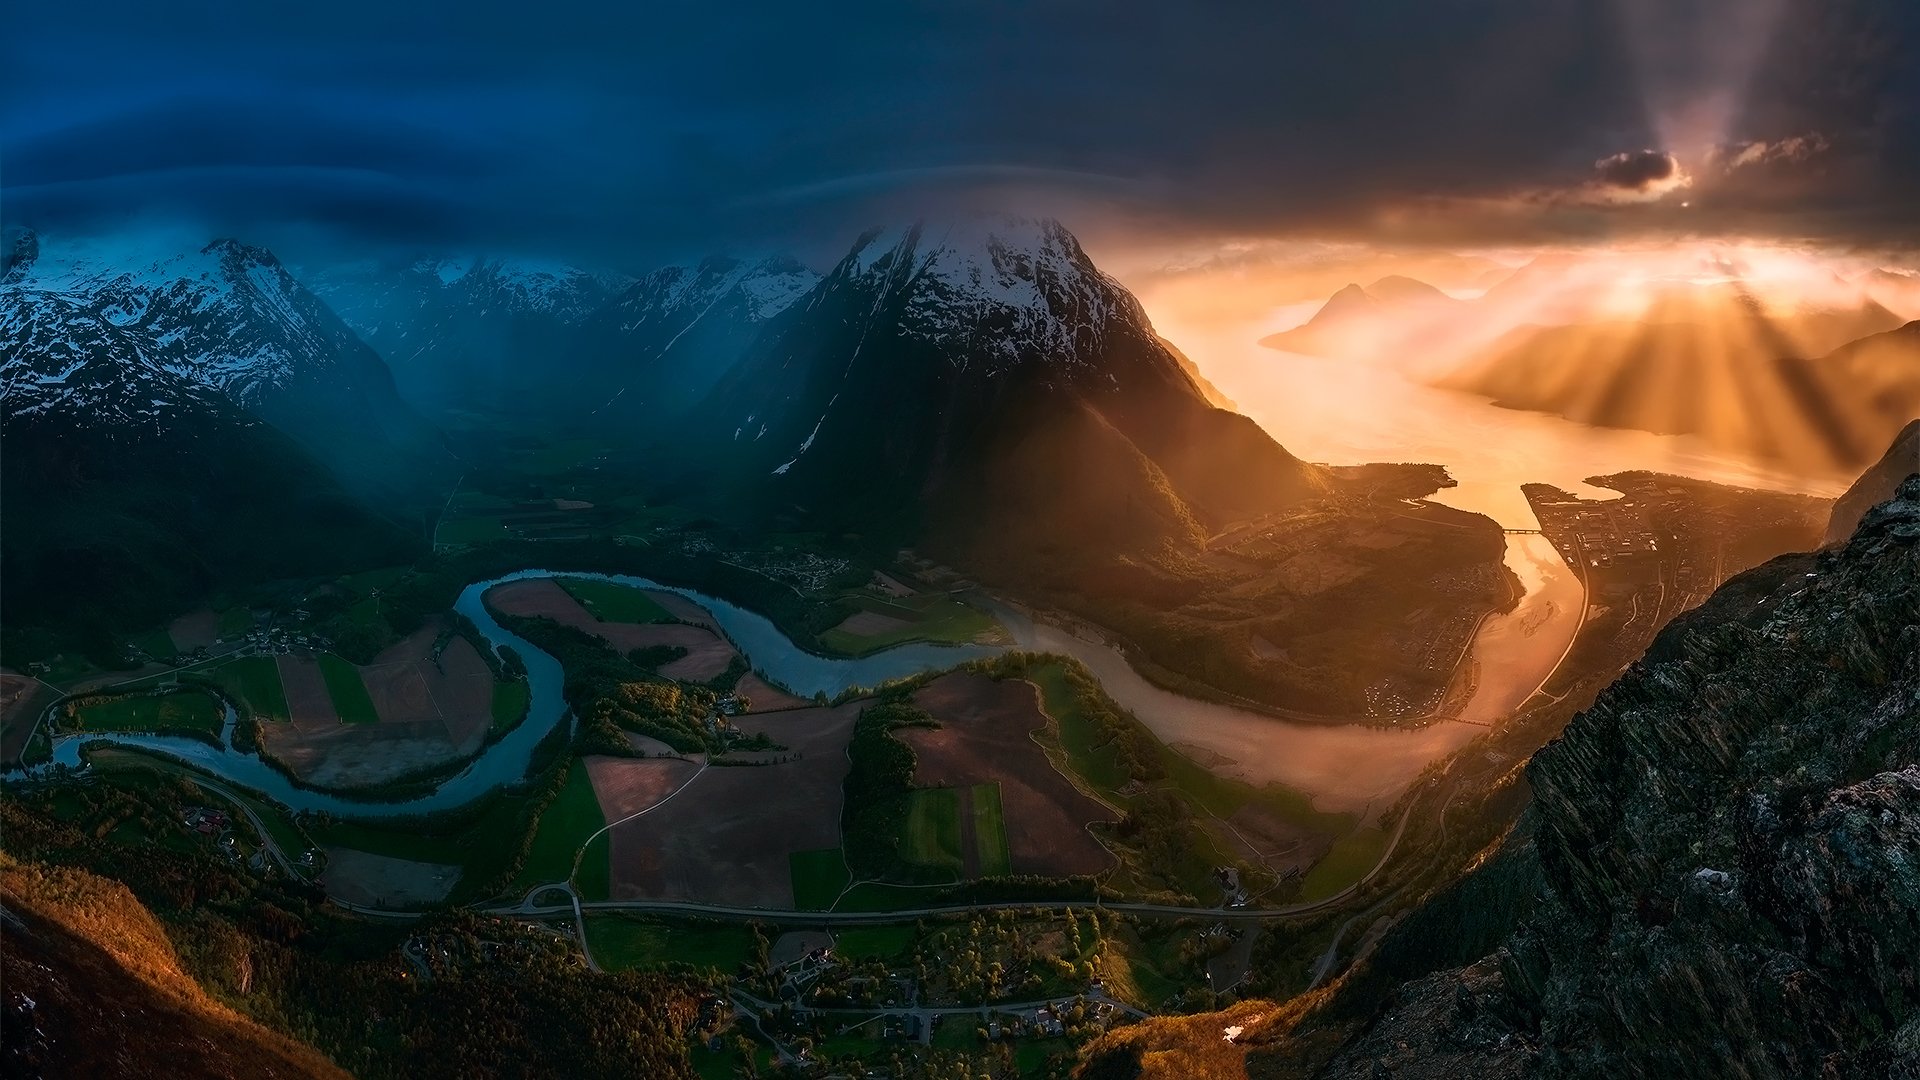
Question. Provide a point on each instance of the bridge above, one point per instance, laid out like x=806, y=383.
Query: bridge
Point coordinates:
x=1522, y=532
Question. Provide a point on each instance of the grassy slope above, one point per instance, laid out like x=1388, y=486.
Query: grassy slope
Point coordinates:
x=92, y=950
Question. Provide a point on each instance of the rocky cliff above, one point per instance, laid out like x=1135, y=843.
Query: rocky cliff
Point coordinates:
x=1730, y=844
x=1877, y=485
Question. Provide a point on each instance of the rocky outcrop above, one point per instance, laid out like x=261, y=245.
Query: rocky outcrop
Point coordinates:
x=1730, y=842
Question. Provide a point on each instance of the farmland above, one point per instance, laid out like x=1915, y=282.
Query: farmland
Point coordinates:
x=254, y=683
x=729, y=837
x=187, y=711
x=885, y=621
x=706, y=654
x=615, y=603
x=984, y=738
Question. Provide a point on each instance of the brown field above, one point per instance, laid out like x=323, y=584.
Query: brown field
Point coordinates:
x=683, y=609
x=430, y=713
x=727, y=837
x=984, y=735
x=22, y=698
x=708, y=654
x=369, y=880
x=764, y=697
x=870, y=624
x=406, y=685
x=648, y=746
x=308, y=703
x=625, y=786
x=195, y=630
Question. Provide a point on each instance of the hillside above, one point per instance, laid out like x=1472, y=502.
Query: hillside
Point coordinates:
x=128, y=498
x=1377, y=321
x=1716, y=865
x=226, y=318
x=94, y=988
x=1877, y=484
x=543, y=342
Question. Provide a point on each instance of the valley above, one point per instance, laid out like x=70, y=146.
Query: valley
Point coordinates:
x=1090, y=702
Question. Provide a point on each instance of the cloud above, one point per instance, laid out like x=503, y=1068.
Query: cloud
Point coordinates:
x=1794, y=150
x=1638, y=171
x=634, y=134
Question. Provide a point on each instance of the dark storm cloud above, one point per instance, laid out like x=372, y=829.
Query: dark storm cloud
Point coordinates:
x=637, y=132
x=1636, y=170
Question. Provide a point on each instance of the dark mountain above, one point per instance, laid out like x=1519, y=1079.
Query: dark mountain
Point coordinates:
x=1877, y=484
x=227, y=318
x=984, y=384
x=129, y=491
x=1716, y=876
x=1739, y=378
x=555, y=343
x=1374, y=322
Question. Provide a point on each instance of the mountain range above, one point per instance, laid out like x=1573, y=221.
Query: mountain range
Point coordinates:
x=514, y=337
x=1819, y=384
x=183, y=418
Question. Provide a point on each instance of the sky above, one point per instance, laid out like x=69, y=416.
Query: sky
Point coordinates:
x=632, y=134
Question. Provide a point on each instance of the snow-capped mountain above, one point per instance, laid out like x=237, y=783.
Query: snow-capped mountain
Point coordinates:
x=988, y=373
x=548, y=339
x=111, y=332
x=677, y=331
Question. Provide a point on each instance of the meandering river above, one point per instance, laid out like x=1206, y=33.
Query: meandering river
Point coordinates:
x=1322, y=410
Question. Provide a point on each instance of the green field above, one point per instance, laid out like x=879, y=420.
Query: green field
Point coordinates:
x=573, y=816
x=467, y=531
x=874, y=942
x=990, y=831
x=510, y=699
x=254, y=682
x=482, y=843
x=876, y=896
x=932, y=833
x=187, y=710
x=349, y=694
x=609, y=602
x=594, y=877
x=1095, y=762
x=621, y=941
x=928, y=617
x=157, y=644
x=1345, y=863
x=818, y=878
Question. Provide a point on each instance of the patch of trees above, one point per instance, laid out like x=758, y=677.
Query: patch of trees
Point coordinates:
x=879, y=780
x=611, y=694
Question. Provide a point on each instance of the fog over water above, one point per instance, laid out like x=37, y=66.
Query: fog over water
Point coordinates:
x=1347, y=413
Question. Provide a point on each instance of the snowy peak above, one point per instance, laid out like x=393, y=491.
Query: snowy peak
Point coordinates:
x=996, y=292
x=227, y=316
x=756, y=291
